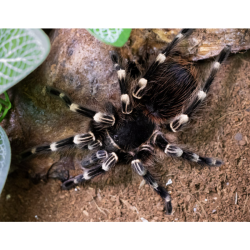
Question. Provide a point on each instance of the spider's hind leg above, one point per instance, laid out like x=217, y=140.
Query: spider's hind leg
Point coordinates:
x=109, y=162
x=138, y=166
x=175, y=151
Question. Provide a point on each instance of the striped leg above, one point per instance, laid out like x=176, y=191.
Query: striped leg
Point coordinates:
x=127, y=107
x=137, y=165
x=182, y=119
x=142, y=83
x=90, y=173
x=104, y=119
x=80, y=140
x=175, y=151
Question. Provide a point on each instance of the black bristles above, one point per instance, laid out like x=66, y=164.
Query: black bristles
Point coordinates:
x=70, y=183
x=114, y=57
x=161, y=141
x=224, y=54
x=53, y=91
x=86, y=112
x=65, y=142
x=210, y=161
x=26, y=154
x=187, y=32
x=93, y=172
x=45, y=148
x=193, y=106
x=67, y=100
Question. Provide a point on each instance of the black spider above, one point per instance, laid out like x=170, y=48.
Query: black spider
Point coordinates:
x=166, y=94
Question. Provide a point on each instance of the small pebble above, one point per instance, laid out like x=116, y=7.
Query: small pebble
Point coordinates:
x=227, y=183
x=36, y=217
x=75, y=189
x=169, y=182
x=144, y=220
x=238, y=137
x=213, y=211
x=194, y=209
x=205, y=199
x=8, y=196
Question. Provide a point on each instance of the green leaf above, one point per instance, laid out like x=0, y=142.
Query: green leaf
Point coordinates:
x=21, y=51
x=116, y=37
x=5, y=105
x=5, y=156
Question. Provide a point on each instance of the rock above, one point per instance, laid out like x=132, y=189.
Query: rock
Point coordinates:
x=202, y=44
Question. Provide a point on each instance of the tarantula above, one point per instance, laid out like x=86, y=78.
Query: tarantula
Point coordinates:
x=166, y=95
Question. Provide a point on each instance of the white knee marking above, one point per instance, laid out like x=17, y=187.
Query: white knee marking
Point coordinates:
x=168, y=199
x=160, y=58
x=138, y=167
x=155, y=185
x=53, y=146
x=182, y=119
x=179, y=36
x=33, y=150
x=93, y=137
x=195, y=157
x=77, y=139
x=62, y=95
x=74, y=107
x=99, y=117
x=177, y=151
x=217, y=65
x=201, y=95
x=86, y=175
x=125, y=99
x=121, y=74
x=142, y=84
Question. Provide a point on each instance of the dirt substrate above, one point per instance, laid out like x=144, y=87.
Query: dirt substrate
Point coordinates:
x=198, y=194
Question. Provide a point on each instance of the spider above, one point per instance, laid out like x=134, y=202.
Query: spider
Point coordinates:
x=167, y=94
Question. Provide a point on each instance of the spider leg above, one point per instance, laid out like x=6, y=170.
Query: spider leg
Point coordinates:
x=94, y=158
x=139, y=90
x=105, y=120
x=175, y=151
x=80, y=140
x=109, y=162
x=138, y=167
x=182, y=119
x=127, y=106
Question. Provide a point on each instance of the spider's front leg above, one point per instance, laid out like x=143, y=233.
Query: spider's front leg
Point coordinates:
x=160, y=141
x=109, y=161
x=105, y=120
x=127, y=106
x=137, y=164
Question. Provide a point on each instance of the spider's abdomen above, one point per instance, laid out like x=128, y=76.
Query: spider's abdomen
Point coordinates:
x=131, y=133
x=169, y=88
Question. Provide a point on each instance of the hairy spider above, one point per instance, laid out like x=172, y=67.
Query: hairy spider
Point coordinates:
x=165, y=95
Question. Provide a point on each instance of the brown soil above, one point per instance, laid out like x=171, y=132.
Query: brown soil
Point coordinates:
x=198, y=194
